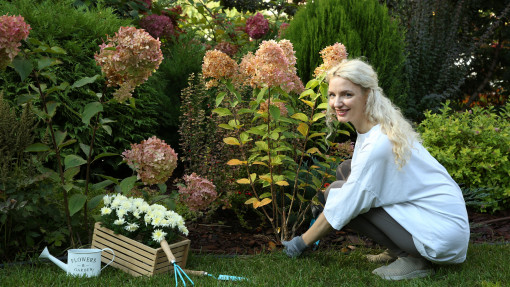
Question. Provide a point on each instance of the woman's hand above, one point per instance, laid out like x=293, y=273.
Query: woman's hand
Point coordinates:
x=294, y=247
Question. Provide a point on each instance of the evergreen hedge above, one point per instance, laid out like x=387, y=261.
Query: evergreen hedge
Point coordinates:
x=366, y=30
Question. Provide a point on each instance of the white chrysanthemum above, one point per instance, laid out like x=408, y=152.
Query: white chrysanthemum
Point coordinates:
x=158, y=207
x=117, y=201
x=126, y=204
x=145, y=207
x=119, y=221
x=136, y=214
x=121, y=212
x=147, y=218
x=183, y=230
x=164, y=222
x=158, y=235
x=106, y=210
x=107, y=199
x=138, y=202
x=156, y=221
x=131, y=227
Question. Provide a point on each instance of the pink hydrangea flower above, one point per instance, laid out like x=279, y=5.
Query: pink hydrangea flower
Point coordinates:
x=153, y=160
x=13, y=29
x=158, y=26
x=272, y=65
x=331, y=56
x=257, y=26
x=218, y=65
x=128, y=59
x=198, y=193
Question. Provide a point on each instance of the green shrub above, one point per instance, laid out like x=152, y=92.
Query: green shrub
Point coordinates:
x=180, y=61
x=474, y=147
x=366, y=30
x=79, y=33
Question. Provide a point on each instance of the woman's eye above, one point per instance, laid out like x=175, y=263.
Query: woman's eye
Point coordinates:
x=348, y=95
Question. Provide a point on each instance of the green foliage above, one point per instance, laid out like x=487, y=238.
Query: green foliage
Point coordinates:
x=180, y=61
x=79, y=33
x=282, y=150
x=366, y=30
x=474, y=147
x=16, y=133
x=30, y=215
x=203, y=149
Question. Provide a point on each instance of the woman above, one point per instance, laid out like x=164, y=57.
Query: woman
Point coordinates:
x=396, y=193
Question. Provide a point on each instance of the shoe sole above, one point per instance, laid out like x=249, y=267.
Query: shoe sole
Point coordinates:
x=412, y=275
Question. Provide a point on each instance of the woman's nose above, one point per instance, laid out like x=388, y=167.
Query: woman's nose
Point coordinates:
x=339, y=101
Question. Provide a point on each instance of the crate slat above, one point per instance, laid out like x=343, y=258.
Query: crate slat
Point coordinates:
x=137, y=258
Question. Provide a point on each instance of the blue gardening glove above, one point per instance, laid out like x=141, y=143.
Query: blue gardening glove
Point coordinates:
x=294, y=247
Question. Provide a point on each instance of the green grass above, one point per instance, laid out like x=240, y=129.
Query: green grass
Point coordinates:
x=487, y=265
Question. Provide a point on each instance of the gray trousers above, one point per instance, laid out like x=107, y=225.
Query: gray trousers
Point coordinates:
x=377, y=224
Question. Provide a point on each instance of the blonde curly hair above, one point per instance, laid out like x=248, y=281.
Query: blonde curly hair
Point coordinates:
x=379, y=109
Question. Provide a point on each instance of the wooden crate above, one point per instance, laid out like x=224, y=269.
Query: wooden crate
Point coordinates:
x=137, y=258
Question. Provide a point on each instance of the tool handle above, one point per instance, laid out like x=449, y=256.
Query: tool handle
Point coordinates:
x=195, y=272
x=167, y=251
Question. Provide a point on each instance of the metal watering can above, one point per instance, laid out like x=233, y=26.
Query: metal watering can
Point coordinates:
x=80, y=262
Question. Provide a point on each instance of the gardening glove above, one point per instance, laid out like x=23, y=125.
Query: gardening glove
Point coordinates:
x=294, y=247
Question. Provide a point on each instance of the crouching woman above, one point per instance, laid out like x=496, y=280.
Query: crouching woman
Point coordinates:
x=397, y=193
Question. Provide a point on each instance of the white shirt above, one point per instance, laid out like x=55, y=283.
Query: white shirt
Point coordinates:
x=422, y=197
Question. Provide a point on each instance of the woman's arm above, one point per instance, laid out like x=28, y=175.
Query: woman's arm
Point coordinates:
x=319, y=229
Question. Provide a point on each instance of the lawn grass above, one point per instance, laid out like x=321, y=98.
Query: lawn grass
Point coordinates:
x=487, y=265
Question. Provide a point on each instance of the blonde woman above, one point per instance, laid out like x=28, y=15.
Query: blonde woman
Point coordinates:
x=396, y=193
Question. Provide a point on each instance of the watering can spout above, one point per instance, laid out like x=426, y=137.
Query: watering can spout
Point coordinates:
x=46, y=254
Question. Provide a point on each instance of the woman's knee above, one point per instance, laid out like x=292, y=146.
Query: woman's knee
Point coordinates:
x=334, y=184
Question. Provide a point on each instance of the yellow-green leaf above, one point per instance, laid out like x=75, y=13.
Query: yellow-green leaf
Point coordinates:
x=322, y=106
x=260, y=163
x=309, y=103
x=316, y=135
x=243, y=181
x=251, y=200
x=265, y=177
x=300, y=116
x=313, y=150
x=318, y=116
x=236, y=162
x=303, y=129
x=262, y=203
x=282, y=183
x=231, y=141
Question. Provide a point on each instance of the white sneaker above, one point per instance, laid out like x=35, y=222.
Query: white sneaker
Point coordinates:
x=405, y=268
x=384, y=257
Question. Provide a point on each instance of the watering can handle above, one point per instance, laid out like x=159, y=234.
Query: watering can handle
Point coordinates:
x=113, y=258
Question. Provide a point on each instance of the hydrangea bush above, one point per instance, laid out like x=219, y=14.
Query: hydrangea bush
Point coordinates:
x=136, y=219
x=128, y=59
x=152, y=159
x=13, y=29
x=158, y=26
x=283, y=150
x=197, y=192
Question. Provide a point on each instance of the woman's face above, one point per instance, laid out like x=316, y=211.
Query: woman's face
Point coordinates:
x=348, y=102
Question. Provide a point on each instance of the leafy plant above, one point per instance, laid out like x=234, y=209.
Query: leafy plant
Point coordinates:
x=282, y=146
x=474, y=147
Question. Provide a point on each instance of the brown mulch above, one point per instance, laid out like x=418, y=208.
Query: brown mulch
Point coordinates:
x=223, y=235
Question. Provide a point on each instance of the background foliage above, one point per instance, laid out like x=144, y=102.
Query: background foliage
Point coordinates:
x=366, y=30
x=474, y=147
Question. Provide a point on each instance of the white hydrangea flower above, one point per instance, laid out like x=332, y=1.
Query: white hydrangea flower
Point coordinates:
x=158, y=235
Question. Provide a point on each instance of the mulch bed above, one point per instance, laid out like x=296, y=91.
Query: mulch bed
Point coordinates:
x=223, y=235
